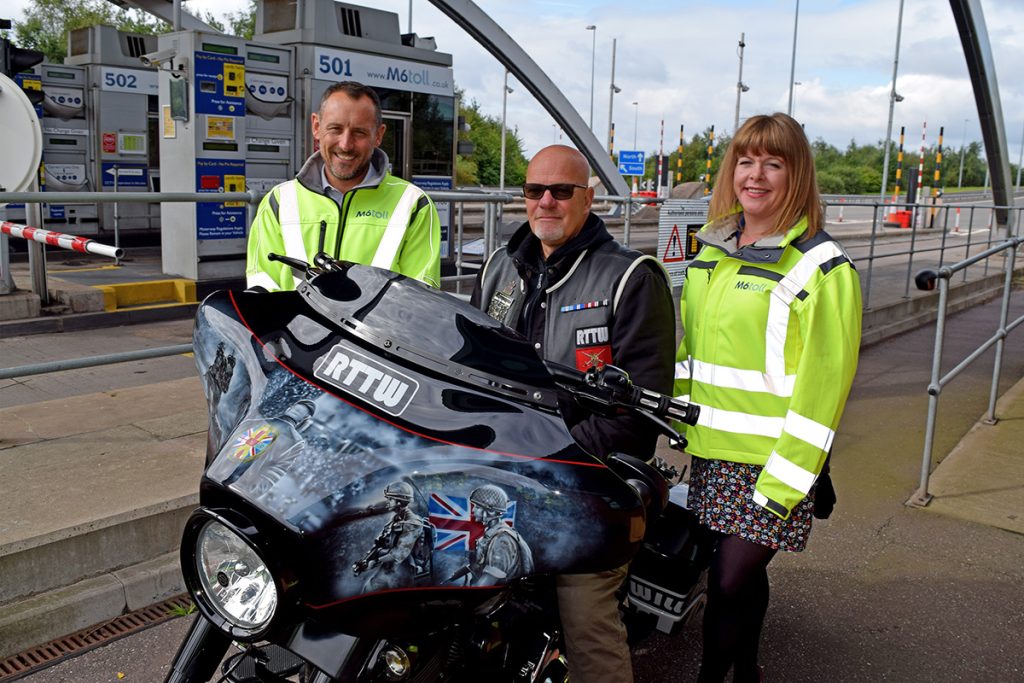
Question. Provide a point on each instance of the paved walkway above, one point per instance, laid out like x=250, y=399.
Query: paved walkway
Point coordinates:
x=884, y=592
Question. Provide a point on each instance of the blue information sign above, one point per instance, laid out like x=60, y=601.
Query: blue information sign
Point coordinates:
x=220, y=220
x=631, y=162
x=219, y=84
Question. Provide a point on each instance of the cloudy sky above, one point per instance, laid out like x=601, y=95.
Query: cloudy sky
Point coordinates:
x=679, y=61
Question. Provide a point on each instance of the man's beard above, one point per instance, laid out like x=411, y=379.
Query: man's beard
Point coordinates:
x=359, y=172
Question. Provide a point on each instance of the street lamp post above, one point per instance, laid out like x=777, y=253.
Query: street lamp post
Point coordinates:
x=893, y=99
x=612, y=89
x=792, y=64
x=963, y=145
x=636, y=118
x=1020, y=160
x=593, y=58
x=740, y=87
x=504, y=102
x=792, y=106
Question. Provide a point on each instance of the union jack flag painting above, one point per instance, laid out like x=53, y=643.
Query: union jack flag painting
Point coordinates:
x=452, y=516
x=251, y=443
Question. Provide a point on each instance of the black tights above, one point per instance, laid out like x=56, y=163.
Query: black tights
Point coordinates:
x=737, y=602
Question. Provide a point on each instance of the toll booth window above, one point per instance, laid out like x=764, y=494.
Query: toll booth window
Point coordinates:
x=433, y=121
x=394, y=100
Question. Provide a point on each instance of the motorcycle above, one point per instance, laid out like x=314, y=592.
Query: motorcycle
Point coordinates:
x=389, y=489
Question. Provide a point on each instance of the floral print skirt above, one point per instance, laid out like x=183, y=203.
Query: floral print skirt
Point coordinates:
x=721, y=495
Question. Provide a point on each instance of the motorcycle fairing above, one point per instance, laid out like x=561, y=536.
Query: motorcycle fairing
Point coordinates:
x=477, y=431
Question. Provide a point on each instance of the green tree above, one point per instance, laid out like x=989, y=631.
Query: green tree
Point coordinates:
x=46, y=23
x=243, y=22
x=483, y=167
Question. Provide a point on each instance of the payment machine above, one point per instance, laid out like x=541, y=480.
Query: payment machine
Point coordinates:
x=226, y=107
x=66, y=145
x=121, y=99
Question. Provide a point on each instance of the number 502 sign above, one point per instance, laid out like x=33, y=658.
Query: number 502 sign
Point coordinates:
x=128, y=80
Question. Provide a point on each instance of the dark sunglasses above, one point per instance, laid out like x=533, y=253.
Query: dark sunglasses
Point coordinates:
x=560, y=191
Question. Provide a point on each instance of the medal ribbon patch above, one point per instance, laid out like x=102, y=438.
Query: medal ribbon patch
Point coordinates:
x=580, y=307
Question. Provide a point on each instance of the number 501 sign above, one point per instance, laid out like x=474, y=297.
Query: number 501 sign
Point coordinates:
x=128, y=80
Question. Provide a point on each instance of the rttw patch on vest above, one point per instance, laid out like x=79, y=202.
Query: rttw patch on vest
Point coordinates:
x=593, y=357
x=501, y=302
x=366, y=378
x=589, y=336
x=579, y=307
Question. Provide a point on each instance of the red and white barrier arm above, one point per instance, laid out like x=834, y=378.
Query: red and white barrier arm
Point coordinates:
x=60, y=239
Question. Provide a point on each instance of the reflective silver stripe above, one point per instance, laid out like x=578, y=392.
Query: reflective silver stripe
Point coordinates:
x=747, y=380
x=390, y=243
x=769, y=504
x=740, y=423
x=683, y=368
x=261, y=279
x=809, y=431
x=785, y=291
x=291, y=228
x=789, y=473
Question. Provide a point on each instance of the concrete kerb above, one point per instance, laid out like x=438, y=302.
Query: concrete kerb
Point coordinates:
x=50, y=615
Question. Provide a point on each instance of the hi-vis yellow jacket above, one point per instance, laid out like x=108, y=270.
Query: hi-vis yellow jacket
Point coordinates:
x=385, y=222
x=770, y=345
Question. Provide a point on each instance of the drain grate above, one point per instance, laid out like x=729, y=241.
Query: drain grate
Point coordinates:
x=42, y=656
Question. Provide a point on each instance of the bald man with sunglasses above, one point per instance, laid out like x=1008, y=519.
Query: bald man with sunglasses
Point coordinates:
x=584, y=300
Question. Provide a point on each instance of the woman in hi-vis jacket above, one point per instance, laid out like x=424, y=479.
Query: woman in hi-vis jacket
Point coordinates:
x=771, y=310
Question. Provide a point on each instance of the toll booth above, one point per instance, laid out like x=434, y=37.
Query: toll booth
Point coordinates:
x=336, y=41
x=67, y=143
x=66, y=147
x=123, y=122
x=226, y=107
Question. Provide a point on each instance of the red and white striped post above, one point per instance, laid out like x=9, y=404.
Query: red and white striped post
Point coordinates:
x=956, y=224
x=842, y=202
x=60, y=239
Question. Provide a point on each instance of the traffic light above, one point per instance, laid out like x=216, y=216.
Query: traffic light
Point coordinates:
x=14, y=60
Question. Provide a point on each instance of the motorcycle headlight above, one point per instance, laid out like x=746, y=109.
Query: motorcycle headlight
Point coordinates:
x=234, y=578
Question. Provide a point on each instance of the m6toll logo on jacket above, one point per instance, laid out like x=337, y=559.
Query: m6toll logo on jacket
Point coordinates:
x=366, y=378
x=373, y=213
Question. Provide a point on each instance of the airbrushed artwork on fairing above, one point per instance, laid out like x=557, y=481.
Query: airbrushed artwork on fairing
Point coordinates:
x=395, y=508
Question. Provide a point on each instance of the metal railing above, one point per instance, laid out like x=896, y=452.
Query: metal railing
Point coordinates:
x=493, y=203
x=938, y=382
x=37, y=265
x=933, y=236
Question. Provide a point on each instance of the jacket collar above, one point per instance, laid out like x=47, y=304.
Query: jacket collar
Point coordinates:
x=722, y=234
x=524, y=248
x=311, y=174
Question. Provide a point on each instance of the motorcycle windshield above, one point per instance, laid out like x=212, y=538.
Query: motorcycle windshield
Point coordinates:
x=405, y=438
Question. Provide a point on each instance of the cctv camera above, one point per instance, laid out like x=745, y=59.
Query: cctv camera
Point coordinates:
x=159, y=57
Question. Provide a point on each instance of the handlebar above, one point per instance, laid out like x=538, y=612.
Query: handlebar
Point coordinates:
x=610, y=387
